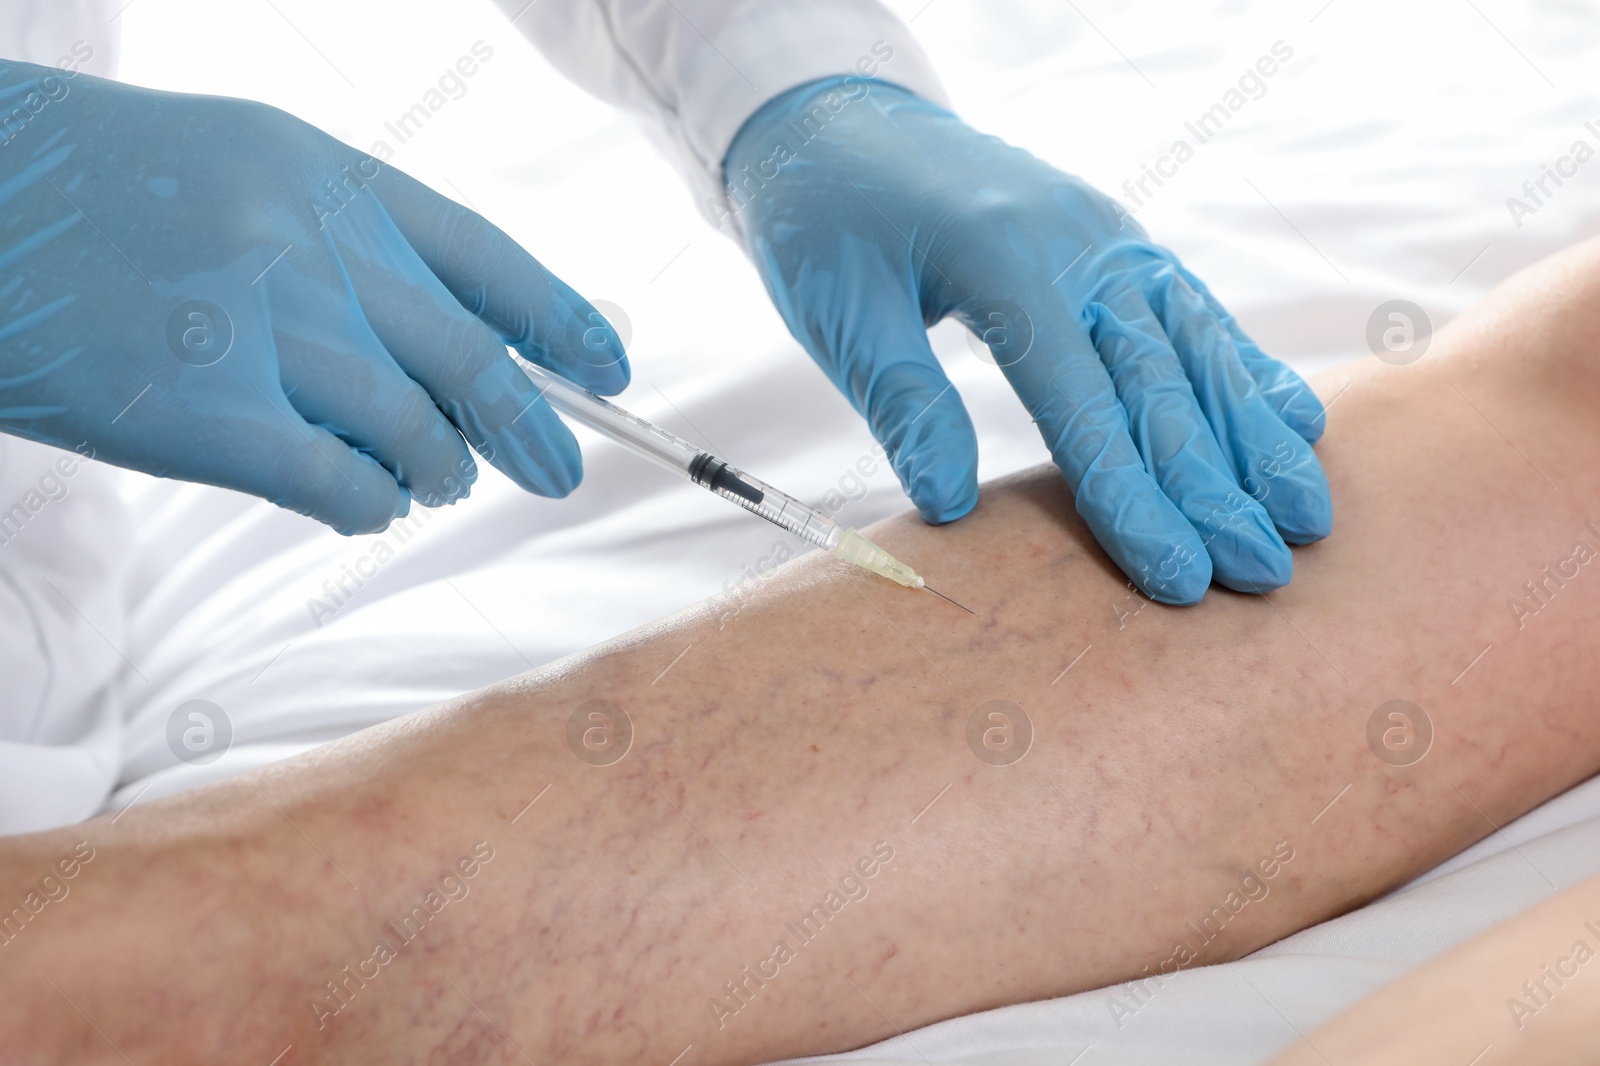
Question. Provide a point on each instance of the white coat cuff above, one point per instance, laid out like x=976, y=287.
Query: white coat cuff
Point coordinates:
x=772, y=48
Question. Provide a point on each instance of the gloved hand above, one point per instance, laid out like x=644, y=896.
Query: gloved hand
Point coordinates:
x=211, y=289
x=872, y=214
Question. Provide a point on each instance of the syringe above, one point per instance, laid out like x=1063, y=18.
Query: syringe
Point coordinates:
x=714, y=473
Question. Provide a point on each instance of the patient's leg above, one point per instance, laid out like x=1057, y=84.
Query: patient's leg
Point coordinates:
x=1199, y=783
x=1507, y=988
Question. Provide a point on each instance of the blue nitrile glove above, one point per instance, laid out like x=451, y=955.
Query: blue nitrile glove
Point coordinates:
x=211, y=289
x=872, y=214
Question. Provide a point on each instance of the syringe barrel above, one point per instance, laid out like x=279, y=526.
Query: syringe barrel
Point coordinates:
x=673, y=452
x=806, y=522
x=609, y=420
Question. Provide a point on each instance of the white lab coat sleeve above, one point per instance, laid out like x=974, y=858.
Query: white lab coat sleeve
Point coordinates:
x=695, y=70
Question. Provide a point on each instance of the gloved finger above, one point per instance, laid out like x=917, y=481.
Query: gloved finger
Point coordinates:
x=1283, y=390
x=461, y=363
x=1070, y=396
x=491, y=275
x=1177, y=444
x=875, y=348
x=1271, y=460
x=914, y=410
x=343, y=380
x=267, y=449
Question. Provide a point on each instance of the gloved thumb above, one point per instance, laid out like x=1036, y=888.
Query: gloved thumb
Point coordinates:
x=301, y=467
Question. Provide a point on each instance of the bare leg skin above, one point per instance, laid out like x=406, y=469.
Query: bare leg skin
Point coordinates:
x=1528, y=988
x=1199, y=781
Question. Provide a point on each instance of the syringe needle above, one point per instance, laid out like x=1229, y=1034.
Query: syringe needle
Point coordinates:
x=947, y=599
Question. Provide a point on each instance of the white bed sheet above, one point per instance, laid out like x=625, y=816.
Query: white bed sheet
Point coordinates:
x=1376, y=165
